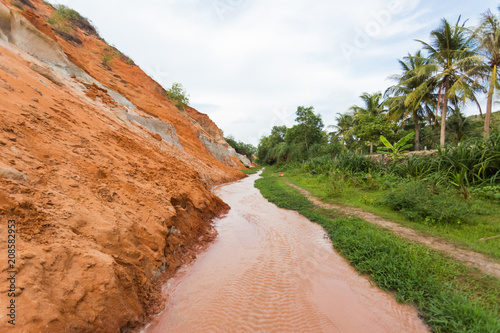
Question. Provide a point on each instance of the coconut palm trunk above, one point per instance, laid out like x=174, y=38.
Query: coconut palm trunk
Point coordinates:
x=417, y=131
x=489, y=103
x=489, y=44
x=444, y=110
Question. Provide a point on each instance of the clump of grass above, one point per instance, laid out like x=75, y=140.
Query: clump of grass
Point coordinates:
x=450, y=296
x=65, y=20
x=417, y=202
x=65, y=16
x=128, y=60
x=107, y=58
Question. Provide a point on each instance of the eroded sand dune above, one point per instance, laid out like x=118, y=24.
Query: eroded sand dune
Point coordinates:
x=107, y=180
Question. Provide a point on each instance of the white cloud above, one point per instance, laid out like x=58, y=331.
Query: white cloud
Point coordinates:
x=249, y=64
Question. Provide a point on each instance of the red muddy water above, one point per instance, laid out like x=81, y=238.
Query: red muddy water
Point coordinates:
x=272, y=270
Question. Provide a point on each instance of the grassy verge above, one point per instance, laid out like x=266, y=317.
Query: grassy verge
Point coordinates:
x=450, y=296
x=253, y=170
x=484, y=224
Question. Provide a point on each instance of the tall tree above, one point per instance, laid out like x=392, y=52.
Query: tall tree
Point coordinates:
x=451, y=55
x=370, y=118
x=269, y=143
x=401, y=105
x=489, y=45
x=309, y=128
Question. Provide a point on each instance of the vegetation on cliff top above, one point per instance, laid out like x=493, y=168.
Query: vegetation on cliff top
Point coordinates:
x=66, y=21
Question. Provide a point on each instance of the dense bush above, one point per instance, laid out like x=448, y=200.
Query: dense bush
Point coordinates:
x=322, y=165
x=347, y=162
x=355, y=163
x=414, y=166
x=417, y=202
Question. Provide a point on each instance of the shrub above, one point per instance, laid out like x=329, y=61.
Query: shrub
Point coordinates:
x=64, y=20
x=417, y=202
x=415, y=166
x=355, y=163
x=108, y=57
x=323, y=164
x=178, y=95
x=64, y=16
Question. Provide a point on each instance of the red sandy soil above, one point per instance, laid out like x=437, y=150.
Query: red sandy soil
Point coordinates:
x=208, y=126
x=104, y=210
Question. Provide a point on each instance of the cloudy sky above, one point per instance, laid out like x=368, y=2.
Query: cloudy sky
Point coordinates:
x=248, y=64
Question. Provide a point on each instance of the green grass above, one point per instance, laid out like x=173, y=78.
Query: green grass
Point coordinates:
x=466, y=235
x=450, y=296
x=253, y=170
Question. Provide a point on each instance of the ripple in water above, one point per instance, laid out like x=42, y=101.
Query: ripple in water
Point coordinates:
x=271, y=270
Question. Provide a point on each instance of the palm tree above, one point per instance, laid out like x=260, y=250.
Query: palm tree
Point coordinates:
x=401, y=106
x=451, y=56
x=345, y=127
x=489, y=45
x=374, y=108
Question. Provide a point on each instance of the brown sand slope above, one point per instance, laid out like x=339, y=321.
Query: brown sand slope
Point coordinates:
x=107, y=180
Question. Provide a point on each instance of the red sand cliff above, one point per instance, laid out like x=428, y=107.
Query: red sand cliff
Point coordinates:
x=107, y=197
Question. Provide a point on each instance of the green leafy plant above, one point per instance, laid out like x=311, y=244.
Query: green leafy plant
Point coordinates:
x=178, y=95
x=397, y=149
x=111, y=53
x=107, y=59
x=489, y=192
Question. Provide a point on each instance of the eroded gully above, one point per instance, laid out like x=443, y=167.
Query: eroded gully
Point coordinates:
x=272, y=270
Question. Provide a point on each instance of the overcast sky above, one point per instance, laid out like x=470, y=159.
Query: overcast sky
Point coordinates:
x=248, y=64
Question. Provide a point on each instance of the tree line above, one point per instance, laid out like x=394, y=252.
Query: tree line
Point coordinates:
x=452, y=69
x=456, y=65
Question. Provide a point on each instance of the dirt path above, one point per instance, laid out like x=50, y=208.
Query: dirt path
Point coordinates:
x=470, y=258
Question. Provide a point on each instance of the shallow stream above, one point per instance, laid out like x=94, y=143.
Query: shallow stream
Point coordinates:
x=272, y=270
